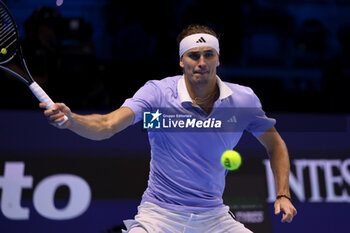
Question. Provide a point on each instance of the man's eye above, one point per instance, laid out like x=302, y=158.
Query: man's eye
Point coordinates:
x=208, y=55
x=194, y=56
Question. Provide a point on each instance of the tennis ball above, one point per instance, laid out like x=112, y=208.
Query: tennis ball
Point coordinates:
x=3, y=50
x=231, y=160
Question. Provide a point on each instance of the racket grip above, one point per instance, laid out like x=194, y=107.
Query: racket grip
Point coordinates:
x=44, y=98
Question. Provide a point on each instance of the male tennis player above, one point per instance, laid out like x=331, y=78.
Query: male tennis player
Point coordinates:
x=186, y=179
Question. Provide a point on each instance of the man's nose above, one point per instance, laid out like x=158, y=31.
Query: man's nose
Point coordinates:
x=201, y=61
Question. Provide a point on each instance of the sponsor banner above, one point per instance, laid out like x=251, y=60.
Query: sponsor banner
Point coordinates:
x=69, y=194
x=82, y=192
x=315, y=180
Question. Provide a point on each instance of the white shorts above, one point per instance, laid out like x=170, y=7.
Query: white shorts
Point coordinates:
x=155, y=219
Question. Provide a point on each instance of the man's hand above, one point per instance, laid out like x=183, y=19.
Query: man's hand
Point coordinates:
x=289, y=211
x=56, y=114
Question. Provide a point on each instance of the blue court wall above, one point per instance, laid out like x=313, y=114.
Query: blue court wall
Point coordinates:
x=59, y=181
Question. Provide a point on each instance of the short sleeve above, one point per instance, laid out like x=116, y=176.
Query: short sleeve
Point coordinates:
x=143, y=100
x=259, y=122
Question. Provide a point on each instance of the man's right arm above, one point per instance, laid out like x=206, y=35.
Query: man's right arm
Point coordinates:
x=94, y=126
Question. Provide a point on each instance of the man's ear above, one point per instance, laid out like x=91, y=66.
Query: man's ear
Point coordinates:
x=181, y=63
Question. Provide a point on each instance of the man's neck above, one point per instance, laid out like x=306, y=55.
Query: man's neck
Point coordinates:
x=203, y=95
x=200, y=90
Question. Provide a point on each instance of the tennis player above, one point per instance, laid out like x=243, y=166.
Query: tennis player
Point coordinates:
x=186, y=180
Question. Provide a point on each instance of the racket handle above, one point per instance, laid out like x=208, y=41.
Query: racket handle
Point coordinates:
x=44, y=98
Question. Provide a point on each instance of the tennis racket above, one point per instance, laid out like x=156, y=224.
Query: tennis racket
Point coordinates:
x=10, y=47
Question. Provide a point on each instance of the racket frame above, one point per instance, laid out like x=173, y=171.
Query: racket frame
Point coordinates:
x=33, y=86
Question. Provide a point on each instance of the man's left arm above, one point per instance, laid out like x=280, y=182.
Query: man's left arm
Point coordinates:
x=279, y=160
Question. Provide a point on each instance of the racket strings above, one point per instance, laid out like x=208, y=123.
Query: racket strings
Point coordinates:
x=7, y=34
x=8, y=37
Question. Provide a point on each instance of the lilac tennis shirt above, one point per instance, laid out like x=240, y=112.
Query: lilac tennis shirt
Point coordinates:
x=186, y=144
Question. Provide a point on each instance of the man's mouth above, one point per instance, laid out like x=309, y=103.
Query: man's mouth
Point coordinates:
x=200, y=71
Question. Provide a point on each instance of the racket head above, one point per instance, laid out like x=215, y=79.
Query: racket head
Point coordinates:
x=9, y=37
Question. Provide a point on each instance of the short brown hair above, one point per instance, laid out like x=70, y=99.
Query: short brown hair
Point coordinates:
x=193, y=29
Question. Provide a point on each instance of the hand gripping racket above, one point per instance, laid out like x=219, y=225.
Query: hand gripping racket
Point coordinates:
x=10, y=47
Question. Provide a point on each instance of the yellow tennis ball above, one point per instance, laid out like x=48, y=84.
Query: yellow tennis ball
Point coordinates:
x=3, y=50
x=231, y=160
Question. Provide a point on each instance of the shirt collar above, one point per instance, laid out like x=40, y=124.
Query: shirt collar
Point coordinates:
x=184, y=96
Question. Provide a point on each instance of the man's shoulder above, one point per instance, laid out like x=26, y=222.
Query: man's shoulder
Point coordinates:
x=243, y=96
x=171, y=80
x=239, y=89
x=168, y=82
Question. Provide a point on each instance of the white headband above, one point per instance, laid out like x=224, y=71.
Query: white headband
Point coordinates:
x=198, y=40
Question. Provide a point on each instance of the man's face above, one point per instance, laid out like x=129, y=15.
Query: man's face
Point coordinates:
x=199, y=64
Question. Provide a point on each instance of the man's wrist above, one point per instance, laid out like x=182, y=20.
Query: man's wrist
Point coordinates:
x=283, y=196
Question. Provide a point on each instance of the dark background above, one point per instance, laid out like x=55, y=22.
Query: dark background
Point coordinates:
x=95, y=54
